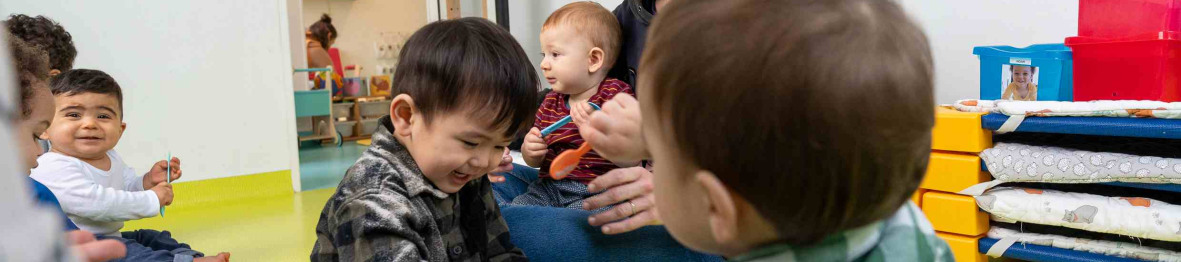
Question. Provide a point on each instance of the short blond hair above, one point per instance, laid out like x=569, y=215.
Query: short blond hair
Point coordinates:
x=593, y=21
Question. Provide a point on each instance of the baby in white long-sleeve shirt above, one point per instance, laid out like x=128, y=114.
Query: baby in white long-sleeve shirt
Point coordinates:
x=100, y=200
x=96, y=189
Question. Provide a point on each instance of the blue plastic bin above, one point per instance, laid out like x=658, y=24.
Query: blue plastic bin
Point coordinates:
x=1053, y=76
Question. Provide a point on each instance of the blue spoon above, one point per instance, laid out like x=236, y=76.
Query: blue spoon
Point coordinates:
x=561, y=122
x=167, y=176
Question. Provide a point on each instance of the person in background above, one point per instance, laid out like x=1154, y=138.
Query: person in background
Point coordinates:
x=45, y=34
x=634, y=17
x=319, y=38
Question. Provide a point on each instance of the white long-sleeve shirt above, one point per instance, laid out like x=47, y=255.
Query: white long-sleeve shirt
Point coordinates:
x=96, y=200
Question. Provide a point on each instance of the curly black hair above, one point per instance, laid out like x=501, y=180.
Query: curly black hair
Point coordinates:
x=48, y=35
x=32, y=69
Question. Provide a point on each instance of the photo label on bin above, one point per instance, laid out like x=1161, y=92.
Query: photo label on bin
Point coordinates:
x=1019, y=61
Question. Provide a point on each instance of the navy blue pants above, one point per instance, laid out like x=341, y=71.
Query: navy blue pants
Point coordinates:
x=563, y=234
x=152, y=245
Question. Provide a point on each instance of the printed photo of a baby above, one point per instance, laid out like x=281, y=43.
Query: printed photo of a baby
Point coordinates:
x=1019, y=82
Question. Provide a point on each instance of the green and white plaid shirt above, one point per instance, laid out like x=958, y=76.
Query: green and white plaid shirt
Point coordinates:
x=905, y=236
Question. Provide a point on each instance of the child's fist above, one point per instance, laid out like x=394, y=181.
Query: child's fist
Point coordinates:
x=534, y=148
x=156, y=174
x=164, y=193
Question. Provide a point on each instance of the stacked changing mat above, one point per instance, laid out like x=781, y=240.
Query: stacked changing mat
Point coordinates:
x=1131, y=215
x=1029, y=170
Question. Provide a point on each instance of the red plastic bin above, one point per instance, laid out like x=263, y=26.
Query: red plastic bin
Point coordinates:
x=1145, y=67
x=1124, y=18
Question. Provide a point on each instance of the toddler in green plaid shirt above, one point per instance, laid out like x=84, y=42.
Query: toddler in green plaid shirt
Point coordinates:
x=790, y=130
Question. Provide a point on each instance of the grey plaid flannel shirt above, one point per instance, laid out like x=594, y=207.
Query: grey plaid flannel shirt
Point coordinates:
x=386, y=210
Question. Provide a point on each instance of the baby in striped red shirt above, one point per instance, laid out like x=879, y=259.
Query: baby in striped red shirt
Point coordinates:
x=580, y=42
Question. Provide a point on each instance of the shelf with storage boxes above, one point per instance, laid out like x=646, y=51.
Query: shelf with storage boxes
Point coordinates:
x=1099, y=183
x=954, y=166
x=963, y=142
x=358, y=119
x=374, y=108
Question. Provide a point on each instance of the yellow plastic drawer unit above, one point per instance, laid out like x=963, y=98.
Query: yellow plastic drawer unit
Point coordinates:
x=959, y=132
x=964, y=248
x=954, y=213
x=952, y=172
x=918, y=197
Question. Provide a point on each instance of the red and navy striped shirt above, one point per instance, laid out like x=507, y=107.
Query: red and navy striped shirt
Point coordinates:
x=566, y=137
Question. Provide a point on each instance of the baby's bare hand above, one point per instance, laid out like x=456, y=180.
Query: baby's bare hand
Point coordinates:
x=534, y=148
x=580, y=113
x=157, y=174
x=163, y=193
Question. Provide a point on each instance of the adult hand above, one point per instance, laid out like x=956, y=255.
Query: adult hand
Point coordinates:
x=91, y=249
x=630, y=190
x=614, y=131
x=506, y=165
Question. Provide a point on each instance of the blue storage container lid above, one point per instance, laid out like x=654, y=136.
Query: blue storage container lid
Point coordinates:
x=1038, y=51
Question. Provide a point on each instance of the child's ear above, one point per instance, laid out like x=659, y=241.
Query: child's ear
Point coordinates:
x=596, y=58
x=723, y=211
x=402, y=111
x=123, y=127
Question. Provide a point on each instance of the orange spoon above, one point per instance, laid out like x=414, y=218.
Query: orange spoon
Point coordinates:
x=567, y=161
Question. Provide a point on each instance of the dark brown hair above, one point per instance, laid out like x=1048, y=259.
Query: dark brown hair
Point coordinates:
x=46, y=34
x=469, y=64
x=323, y=31
x=827, y=105
x=84, y=81
x=32, y=69
x=591, y=20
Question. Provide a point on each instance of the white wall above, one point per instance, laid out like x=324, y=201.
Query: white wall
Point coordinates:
x=525, y=19
x=209, y=80
x=954, y=27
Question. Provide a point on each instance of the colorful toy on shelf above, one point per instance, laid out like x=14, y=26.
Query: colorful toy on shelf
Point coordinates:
x=1040, y=72
x=379, y=85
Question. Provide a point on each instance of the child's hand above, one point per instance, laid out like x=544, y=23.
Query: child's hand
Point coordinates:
x=164, y=193
x=580, y=113
x=506, y=165
x=156, y=174
x=614, y=131
x=534, y=148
